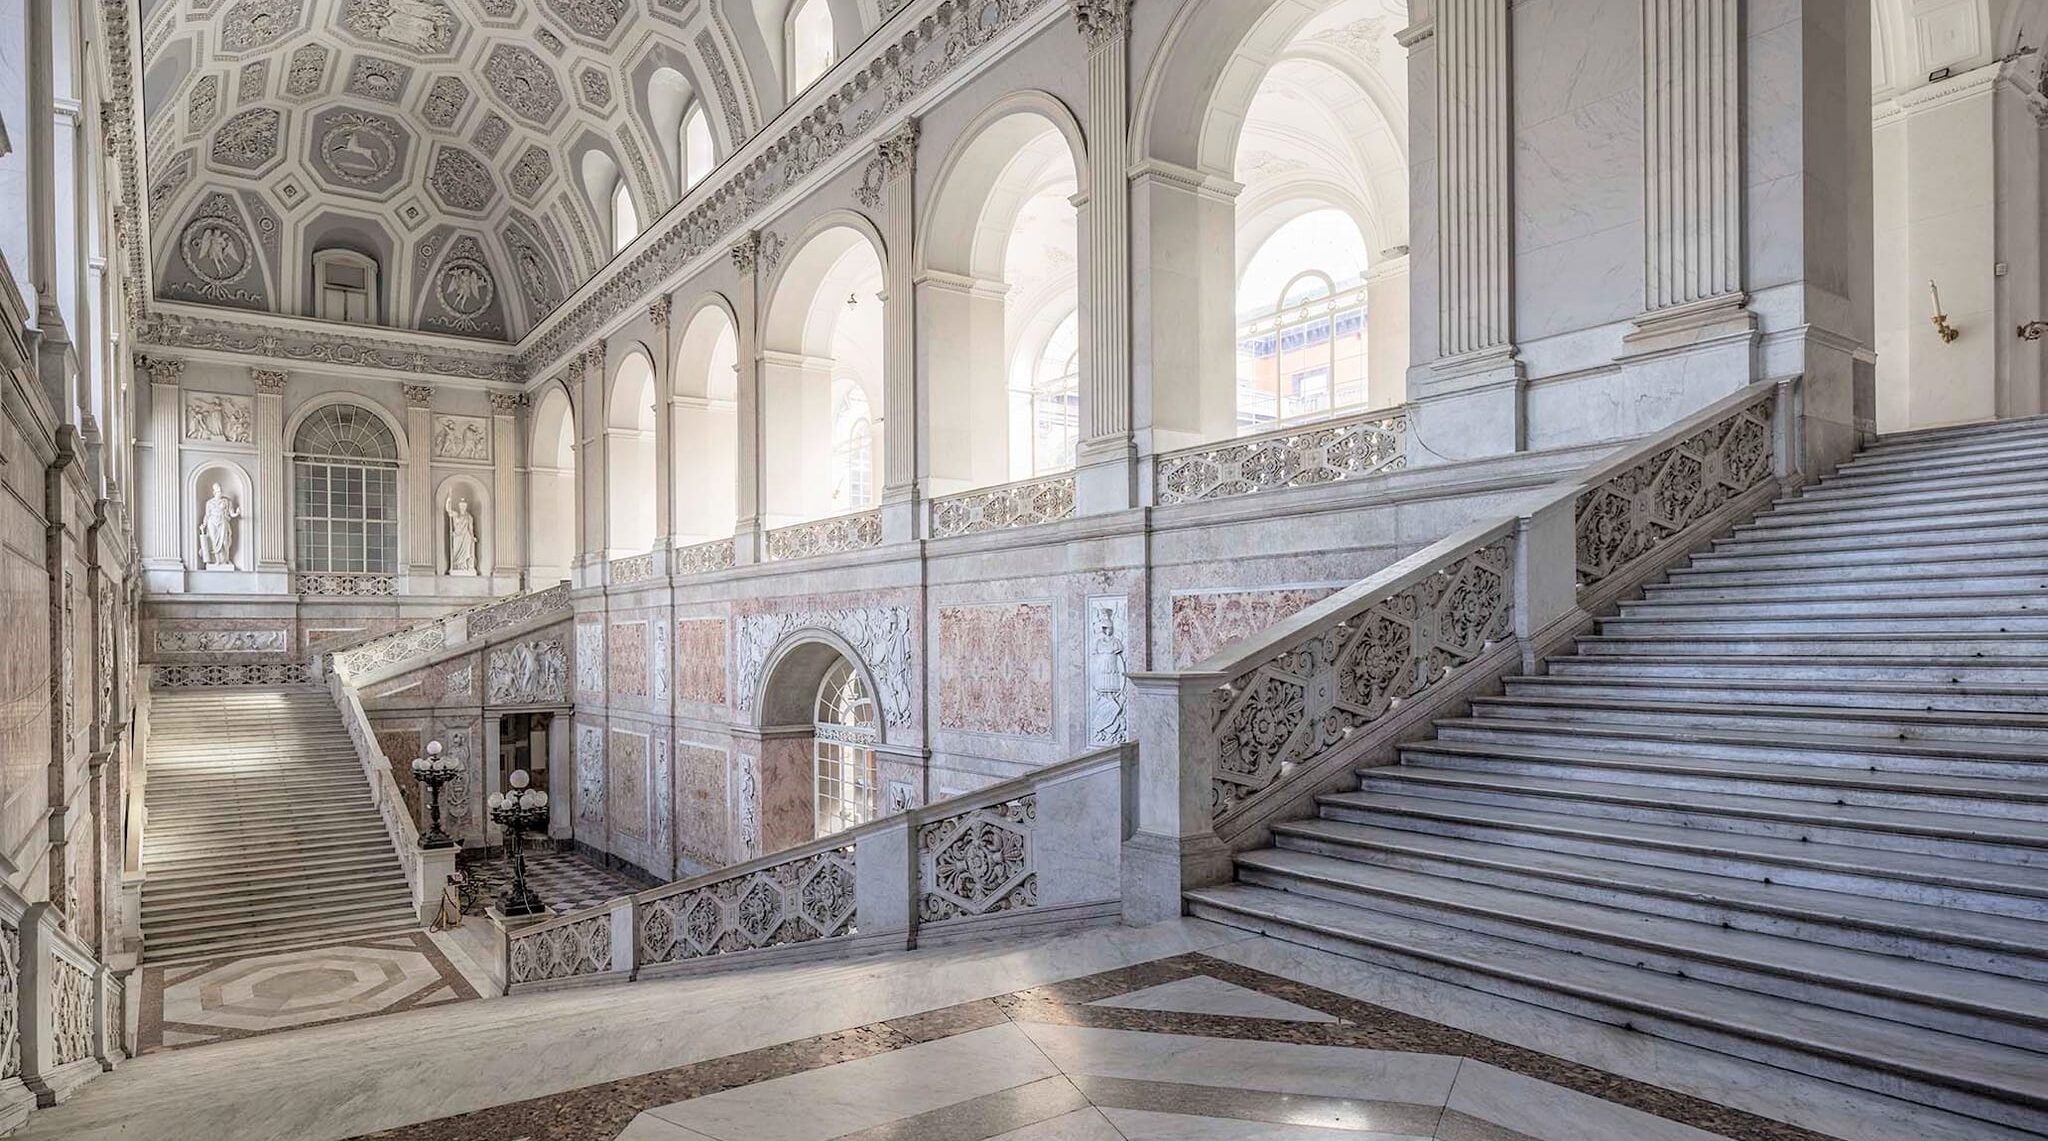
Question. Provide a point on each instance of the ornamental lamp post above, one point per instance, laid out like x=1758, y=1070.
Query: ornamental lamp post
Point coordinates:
x=435, y=770
x=516, y=811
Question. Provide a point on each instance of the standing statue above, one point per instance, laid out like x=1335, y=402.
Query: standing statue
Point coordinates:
x=461, y=538
x=217, y=532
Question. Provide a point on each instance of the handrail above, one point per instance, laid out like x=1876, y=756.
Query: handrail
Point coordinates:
x=825, y=889
x=384, y=792
x=425, y=639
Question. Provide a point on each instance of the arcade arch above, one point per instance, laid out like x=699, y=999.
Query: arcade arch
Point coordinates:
x=551, y=520
x=630, y=464
x=821, y=378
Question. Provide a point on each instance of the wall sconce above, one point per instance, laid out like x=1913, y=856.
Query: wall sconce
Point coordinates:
x=1947, y=331
x=2032, y=330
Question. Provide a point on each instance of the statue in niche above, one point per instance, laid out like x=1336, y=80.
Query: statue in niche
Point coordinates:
x=461, y=537
x=217, y=532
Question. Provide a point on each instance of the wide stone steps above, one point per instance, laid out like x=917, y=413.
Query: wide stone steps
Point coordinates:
x=1776, y=604
x=1984, y=941
x=1947, y=434
x=1915, y=503
x=1833, y=492
x=2015, y=648
x=1958, y=540
x=1785, y=626
x=1957, y=673
x=1667, y=712
x=261, y=832
x=1959, y=456
x=1990, y=1080
x=1971, y=558
x=1966, y=573
x=1839, y=695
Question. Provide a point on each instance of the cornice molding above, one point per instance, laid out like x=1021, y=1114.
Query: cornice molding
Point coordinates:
x=321, y=346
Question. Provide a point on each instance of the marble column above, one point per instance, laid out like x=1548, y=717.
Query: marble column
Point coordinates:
x=664, y=426
x=746, y=259
x=1470, y=394
x=270, y=507
x=895, y=163
x=163, y=556
x=1105, y=461
x=420, y=521
x=508, y=537
x=1697, y=339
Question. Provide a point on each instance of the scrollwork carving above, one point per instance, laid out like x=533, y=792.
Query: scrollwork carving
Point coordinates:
x=801, y=900
x=1636, y=510
x=979, y=862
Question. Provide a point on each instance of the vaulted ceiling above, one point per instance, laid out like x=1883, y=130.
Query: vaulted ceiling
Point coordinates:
x=468, y=146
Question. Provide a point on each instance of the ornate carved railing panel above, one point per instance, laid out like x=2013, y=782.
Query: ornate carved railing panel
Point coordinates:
x=1324, y=452
x=833, y=536
x=801, y=900
x=71, y=1009
x=10, y=1001
x=168, y=676
x=568, y=951
x=429, y=638
x=1025, y=504
x=1296, y=705
x=701, y=558
x=392, y=649
x=346, y=585
x=1637, y=509
x=631, y=569
x=518, y=610
x=979, y=861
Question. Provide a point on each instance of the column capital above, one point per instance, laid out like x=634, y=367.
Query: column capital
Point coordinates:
x=747, y=251
x=419, y=395
x=161, y=370
x=894, y=158
x=658, y=311
x=269, y=381
x=507, y=403
x=1102, y=22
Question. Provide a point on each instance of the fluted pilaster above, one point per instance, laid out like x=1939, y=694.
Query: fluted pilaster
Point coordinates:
x=162, y=522
x=1692, y=151
x=746, y=259
x=1473, y=146
x=271, y=509
x=896, y=156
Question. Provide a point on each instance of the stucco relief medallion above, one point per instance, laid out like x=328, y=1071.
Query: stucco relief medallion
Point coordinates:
x=215, y=250
x=426, y=27
x=358, y=149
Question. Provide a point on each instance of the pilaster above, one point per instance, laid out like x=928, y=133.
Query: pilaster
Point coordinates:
x=664, y=424
x=505, y=491
x=896, y=159
x=592, y=470
x=746, y=259
x=1106, y=460
x=270, y=508
x=163, y=558
x=419, y=480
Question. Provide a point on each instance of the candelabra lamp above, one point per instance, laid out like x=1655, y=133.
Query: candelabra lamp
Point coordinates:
x=516, y=811
x=435, y=770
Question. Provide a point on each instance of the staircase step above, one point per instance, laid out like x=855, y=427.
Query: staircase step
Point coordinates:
x=1839, y=695
x=2016, y=649
x=1960, y=628
x=1970, y=1003
x=1915, y=503
x=1962, y=519
x=1983, y=539
x=1973, y=558
x=274, y=943
x=294, y=913
x=1913, y=577
x=1957, y=673
x=1774, y=718
x=1697, y=604
x=1960, y=454
x=2000, y=944
x=1969, y=429
x=1983, y=1079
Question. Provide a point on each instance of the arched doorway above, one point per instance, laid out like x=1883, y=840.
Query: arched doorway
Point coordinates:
x=821, y=736
x=844, y=732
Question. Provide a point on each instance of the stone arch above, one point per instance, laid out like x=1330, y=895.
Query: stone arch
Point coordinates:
x=792, y=670
x=704, y=422
x=552, y=511
x=633, y=395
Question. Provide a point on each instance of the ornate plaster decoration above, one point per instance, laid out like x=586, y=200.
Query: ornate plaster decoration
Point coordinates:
x=880, y=634
x=1106, y=639
x=1101, y=21
x=275, y=641
x=590, y=782
x=800, y=900
x=979, y=862
x=1329, y=451
x=1637, y=510
x=462, y=438
x=219, y=417
x=321, y=346
x=1001, y=508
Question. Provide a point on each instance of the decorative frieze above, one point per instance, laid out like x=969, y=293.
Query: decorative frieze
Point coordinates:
x=323, y=584
x=978, y=862
x=215, y=641
x=215, y=674
x=881, y=635
x=835, y=536
x=801, y=900
x=534, y=671
x=1326, y=452
x=1025, y=504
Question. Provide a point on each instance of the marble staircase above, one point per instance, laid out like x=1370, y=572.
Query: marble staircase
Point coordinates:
x=261, y=835
x=1790, y=805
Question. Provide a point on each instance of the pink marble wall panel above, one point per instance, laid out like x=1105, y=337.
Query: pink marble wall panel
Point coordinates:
x=700, y=660
x=25, y=667
x=788, y=798
x=703, y=821
x=628, y=649
x=400, y=746
x=628, y=763
x=995, y=669
x=1204, y=622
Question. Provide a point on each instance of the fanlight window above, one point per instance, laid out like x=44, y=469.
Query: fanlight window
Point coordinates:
x=844, y=751
x=345, y=492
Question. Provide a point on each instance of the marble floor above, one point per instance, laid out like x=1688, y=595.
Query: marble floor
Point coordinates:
x=211, y=1000
x=564, y=881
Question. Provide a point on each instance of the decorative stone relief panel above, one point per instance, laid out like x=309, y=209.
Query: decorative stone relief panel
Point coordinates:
x=589, y=773
x=218, y=417
x=700, y=660
x=590, y=661
x=462, y=438
x=627, y=763
x=978, y=862
x=1636, y=510
x=703, y=812
x=1106, y=641
x=995, y=668
x=217, y=641
x=10, y=1001
x=628, y=675
x=215, y=260
x=71, y=1012
x=530, y=672
x=662, y=788
x=657, y=659
x=746, y=801
x=881, y=635
x=568, y=951
x=797, y=901
x=1206, y=621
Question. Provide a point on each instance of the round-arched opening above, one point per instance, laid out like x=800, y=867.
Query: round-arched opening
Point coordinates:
x=821, y=343
x=998, y=296
x=345, y=504
x=630, y=462
x=820, y=730
x=705, y=422
x=551, y=525
x=843, y=751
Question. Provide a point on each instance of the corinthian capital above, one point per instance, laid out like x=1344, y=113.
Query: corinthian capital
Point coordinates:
x=270, y=380
x=747, y=251
x=898, y=149
x=1101, y=21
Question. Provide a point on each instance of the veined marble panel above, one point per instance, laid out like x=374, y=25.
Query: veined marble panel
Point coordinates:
x=1206, y=621
x=590, y=802
x=700, y=660
x=703, y=814
x=628, y=765
x=995, y=668
x=628, y=659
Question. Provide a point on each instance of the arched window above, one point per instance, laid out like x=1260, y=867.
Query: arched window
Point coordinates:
x=853, y=446
x=625, y=219
x=1056, y=399
x=843, y=751
x=808, y=39
x=696, y=149
x=1301, y=343
x=345, y=286
x=345, y=492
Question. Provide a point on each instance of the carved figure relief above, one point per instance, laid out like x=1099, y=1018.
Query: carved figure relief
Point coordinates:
x=276, y=641
x=358, y=150
x=461, y=438
x=461, y=537
x=533, y=672
x=217, y=531
x=589, y=661
x=589, y=772
x=216, y=250
x=1108, y=618
x=426, y=27
x=219, y=418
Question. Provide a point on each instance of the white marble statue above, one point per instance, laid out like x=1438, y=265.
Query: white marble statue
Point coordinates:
x=217, y=532
x=461, y=538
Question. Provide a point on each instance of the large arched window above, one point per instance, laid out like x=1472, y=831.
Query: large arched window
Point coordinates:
x=695, y=146
x=1301, y=338
x=345, y=492
x=843, y=751
x=625, y=219
x=808, y=41
x=1056, y=399
x=853, y=446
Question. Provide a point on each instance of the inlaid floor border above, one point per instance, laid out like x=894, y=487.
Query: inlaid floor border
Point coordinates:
x=150, y=1023
x=601, y=1111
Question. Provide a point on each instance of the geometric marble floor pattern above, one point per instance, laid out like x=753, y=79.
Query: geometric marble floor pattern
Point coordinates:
x=1190, y=1047
x=563, y=880
x=189, y=1004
